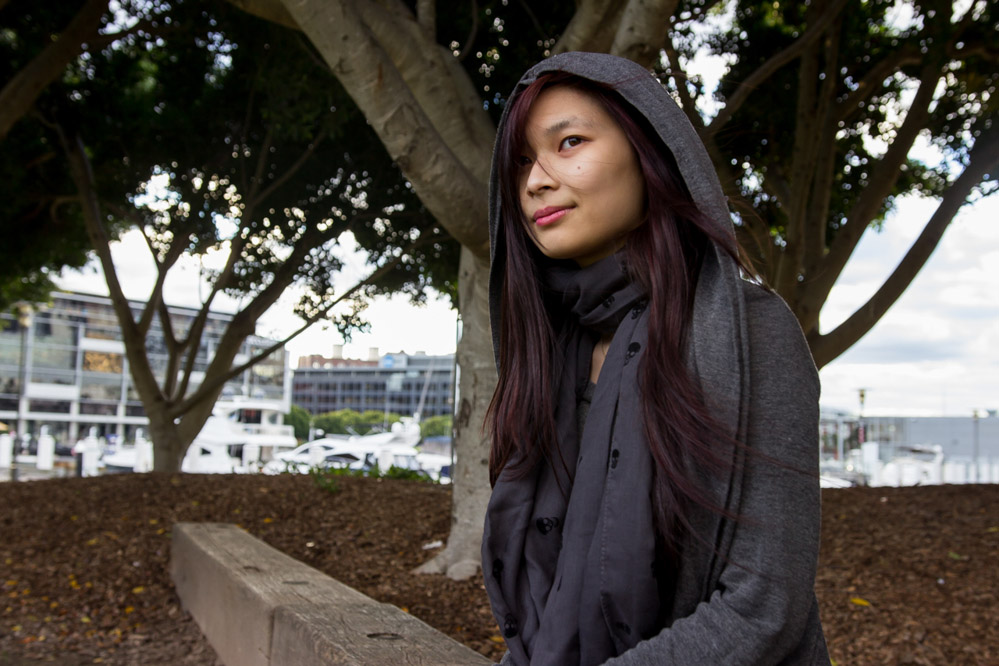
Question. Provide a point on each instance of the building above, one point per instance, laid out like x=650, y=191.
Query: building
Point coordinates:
x=397, y=383
x=75, y=373
x=961, y=438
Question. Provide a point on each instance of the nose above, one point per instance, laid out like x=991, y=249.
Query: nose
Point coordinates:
x=540, y=177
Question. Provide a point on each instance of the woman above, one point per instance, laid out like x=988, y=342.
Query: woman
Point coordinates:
x=655, y=425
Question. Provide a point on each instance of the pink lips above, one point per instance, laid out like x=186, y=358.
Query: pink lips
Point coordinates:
x=550, y=214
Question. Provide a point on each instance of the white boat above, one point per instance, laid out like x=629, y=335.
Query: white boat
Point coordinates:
x=211, y=452
x=394, y=448
x=437, y=465
x=259, y=424
x=216, y=449
x=301, y=458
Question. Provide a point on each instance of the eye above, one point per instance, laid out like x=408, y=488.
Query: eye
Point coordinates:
x=522, y=161
x=570, y=142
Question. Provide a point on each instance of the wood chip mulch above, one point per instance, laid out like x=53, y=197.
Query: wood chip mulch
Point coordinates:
x=907, y=576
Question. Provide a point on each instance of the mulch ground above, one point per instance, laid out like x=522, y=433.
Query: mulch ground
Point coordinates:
x=907, y=576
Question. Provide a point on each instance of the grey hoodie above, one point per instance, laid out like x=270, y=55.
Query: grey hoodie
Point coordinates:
x=747, y=596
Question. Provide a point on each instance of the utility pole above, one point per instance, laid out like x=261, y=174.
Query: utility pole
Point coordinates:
x=862, y=394
x=974, y=444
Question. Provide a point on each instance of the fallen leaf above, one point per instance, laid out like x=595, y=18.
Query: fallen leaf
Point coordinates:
x=859, y=601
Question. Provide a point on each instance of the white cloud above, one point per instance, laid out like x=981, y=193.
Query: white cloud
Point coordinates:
x=936, y=352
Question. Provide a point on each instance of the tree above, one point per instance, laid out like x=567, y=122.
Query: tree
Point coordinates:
x=351, y=422
x=37, y=243
x=861, y=84
x=433, y=106
x=298, y=419
x=436, y=426
x=214, y=132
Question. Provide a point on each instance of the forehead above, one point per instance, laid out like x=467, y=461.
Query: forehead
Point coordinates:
x=561, y=107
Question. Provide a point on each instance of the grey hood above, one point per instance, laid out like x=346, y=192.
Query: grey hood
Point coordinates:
x=717, y=334
x=646, y=95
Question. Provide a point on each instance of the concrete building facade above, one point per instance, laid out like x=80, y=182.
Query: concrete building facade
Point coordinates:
x=397, y=383
x=64, y=366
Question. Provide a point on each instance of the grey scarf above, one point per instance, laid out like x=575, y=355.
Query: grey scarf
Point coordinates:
x=563, y=596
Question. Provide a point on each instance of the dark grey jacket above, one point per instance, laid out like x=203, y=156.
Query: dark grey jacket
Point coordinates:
x=745, y=597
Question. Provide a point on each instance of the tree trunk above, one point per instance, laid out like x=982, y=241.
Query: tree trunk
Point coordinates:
x=471, y=490
x=168, y=448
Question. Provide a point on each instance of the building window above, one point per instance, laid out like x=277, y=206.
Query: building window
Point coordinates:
x=52, y=356
x=50, y=406
x=95, y=361
x=102, y=408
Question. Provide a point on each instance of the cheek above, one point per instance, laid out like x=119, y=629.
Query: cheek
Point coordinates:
x=584, y=176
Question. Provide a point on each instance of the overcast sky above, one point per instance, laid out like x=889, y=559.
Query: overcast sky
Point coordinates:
x=936, y=352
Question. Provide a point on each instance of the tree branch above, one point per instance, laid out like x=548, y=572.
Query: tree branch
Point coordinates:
x=775, y=62
x=162, y=267
x=290, y=171
x=687, y=102
x=802, y=167
x=591, y=28
x=174, y=349
x=824, y=165
x=907, y=55
x=218, y=379
x=426, y=16
x=641, y=33
x=83, y=178
x=438, y=83
x=473, y=31
x=263, y=154
x=884, y=176
x=984, y=160
x=269, y=10
x=451, y=189
x=19, y=94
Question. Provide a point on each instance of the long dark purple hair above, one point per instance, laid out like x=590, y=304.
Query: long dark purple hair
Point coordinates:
x=664, y=255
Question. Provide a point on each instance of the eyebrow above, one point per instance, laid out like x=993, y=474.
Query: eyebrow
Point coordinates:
x=562, y=124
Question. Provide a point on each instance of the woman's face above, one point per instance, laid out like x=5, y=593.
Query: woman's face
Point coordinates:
x=580, y=184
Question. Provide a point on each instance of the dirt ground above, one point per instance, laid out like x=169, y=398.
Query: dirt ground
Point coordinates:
x=907, y=576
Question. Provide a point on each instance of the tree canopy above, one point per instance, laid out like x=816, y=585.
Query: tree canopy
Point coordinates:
x=213, y=133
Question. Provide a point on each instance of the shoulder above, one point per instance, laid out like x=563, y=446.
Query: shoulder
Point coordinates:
x=778, y=352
